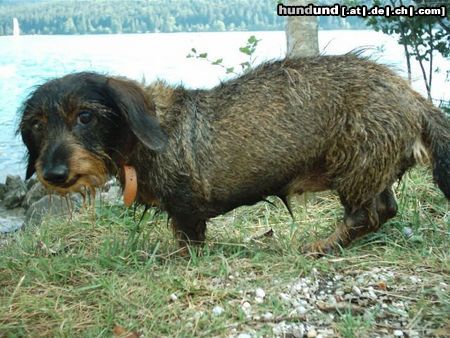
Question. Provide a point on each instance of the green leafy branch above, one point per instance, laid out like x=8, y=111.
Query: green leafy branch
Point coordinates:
x=249, y=50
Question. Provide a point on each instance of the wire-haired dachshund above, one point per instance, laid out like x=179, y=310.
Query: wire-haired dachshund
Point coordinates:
x=340, y=123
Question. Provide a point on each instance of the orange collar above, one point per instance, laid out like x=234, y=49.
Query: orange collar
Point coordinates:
x=130, y=189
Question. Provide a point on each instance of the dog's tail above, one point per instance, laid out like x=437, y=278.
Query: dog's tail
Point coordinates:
x=436, y=135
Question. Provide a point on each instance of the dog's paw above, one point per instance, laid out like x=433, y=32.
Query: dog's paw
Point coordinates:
x=318, y=249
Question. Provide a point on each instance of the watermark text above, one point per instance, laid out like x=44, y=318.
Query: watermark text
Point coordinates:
x=364, y=11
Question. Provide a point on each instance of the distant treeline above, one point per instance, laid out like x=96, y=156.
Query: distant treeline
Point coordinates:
x=106, y=17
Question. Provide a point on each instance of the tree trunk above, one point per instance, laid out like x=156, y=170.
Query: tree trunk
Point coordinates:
x=302, y=33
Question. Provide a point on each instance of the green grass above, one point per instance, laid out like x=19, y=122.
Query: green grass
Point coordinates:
x=84, y=278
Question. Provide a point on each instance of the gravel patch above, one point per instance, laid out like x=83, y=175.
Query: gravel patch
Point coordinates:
x=381, y=298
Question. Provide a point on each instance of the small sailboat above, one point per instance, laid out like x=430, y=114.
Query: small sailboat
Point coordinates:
x=16, y=28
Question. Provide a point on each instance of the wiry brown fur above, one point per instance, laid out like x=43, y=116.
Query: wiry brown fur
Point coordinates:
x=330, y=122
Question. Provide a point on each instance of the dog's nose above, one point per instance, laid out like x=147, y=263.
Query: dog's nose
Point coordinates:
x=56, y=174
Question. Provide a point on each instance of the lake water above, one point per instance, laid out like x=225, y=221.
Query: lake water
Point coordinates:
x=26, y=61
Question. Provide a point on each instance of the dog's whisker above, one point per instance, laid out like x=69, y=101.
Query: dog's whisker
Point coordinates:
x=92, y=193
x=92, y=206
x=69, y=206
x=83, y=196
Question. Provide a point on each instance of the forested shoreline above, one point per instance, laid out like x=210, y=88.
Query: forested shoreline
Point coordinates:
x=111, y=17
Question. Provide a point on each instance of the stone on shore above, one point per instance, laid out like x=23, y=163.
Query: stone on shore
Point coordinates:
x=15, y=192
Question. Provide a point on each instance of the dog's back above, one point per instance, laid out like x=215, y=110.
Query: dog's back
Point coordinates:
x=337, y=122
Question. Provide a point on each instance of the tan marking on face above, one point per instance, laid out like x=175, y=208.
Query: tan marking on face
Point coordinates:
x=86, y=170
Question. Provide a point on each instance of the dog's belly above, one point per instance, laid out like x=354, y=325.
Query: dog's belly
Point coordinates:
x=249, y=193
x=312, y=182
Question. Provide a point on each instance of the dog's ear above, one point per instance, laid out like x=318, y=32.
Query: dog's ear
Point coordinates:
x=132, y=103
x=32, y=154
x=32, y=148
x=25, y=131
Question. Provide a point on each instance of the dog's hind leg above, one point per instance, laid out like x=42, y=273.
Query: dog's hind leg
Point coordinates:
x=357, y=222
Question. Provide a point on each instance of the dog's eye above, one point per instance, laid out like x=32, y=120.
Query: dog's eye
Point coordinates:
x=36, y=126
x=84, y=118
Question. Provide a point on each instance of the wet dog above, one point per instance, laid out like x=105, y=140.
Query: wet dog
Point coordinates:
x=339, y=123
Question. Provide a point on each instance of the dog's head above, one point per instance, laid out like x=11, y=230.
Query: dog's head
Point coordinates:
x=74, y=126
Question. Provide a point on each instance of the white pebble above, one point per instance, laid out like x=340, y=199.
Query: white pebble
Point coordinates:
x=173, y=297
x=413, y=334
x=414, y=279
x=339, y=292
x=348, y=297
x=278, y=330
x=259, y=300
x=244, y=335
x=312, y=333
x=295, y=302
x=298, y=331
x=331, y=299
x=198, y=315
x=356, y=290
x=260, y=293
x=301, y=310
x=408, y=232
x=398, y=333
x=285, y=297
x=372, y=294
x=247, y=308
x=297, y=287
x=267, y=316
x=218, y=310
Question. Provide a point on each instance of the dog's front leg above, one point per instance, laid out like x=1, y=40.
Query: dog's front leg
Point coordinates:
x=189, y=230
